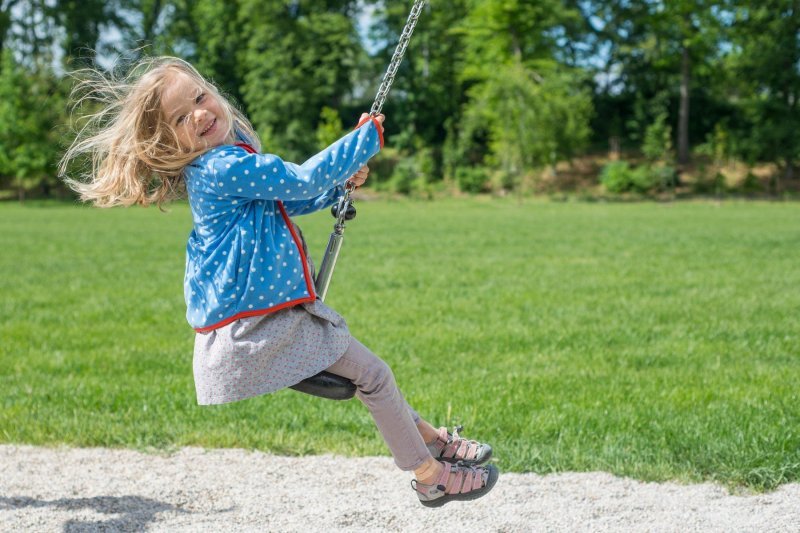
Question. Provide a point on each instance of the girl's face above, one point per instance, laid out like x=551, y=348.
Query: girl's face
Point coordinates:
x=195, y=115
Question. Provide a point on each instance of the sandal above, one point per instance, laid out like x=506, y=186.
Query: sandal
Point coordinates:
x=452, y=448
x=457, y=482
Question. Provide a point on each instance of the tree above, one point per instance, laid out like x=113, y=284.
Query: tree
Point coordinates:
x=31, y=106
x=298, y=58
x=654, y=46
x=427, y=96
x=208, y=33
x=765, y=64
x=533, y=110
x=82, y=22
x=5, y=20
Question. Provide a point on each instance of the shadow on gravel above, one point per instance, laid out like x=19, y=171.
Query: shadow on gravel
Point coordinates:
x=136, y=512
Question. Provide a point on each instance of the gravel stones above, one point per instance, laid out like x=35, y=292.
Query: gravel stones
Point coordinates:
x=197, y=490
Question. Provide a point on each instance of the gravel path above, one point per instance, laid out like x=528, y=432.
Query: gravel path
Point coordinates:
x=97, y=489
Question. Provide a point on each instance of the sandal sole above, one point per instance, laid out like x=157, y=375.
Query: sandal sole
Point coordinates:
x=494, y=474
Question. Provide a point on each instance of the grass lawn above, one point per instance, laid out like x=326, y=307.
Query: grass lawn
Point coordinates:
x=659, y=341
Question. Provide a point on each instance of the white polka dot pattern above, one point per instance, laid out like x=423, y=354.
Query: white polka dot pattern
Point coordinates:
x=241, y=203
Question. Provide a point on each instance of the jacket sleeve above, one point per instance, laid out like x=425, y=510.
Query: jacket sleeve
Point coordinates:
x=305, y=207
x=236, y=174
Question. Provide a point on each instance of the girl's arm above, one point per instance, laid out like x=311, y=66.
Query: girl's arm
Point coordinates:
x=305, y=207
x=235, y=174
x=328, y=198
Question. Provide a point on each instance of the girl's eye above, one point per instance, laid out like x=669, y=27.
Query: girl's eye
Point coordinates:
x=182, y=118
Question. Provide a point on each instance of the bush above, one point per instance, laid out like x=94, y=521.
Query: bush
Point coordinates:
x=471, y=179
x=617, y=177
x=664, y=177
x=643, y=179
x=413, y=174
x=382, y=168
x=657, y=143
x=403, y=176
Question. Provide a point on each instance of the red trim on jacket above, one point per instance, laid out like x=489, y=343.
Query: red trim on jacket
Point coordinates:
x=299, y=244
x=245, y=314
x=378, y=127
x=309, y=283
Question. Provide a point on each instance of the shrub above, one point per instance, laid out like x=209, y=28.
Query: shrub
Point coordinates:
x=471, y=179
x=617, y=177
x=664, y=177
x=657, y=143
x=403, y=176
x=413, y=173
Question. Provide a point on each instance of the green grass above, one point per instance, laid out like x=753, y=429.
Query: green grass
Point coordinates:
x=659, y=341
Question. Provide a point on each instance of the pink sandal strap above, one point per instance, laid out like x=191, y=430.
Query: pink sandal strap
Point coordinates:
x=466, y=479
x=455, y=447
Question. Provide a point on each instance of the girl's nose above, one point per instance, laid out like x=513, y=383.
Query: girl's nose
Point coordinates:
x=198, y=115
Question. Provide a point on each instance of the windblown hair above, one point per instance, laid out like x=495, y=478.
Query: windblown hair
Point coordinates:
x=132, y=150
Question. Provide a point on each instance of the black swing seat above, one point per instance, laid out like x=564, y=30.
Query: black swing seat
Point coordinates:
x=327, y=385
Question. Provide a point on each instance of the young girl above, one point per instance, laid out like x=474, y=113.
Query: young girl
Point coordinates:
x=249, y=289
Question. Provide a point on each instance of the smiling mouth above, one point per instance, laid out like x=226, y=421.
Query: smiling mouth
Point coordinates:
x=209, y=127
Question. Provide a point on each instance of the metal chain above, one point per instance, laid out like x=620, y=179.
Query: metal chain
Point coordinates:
x=388, y=79
x=397, y=57
x=334, y=244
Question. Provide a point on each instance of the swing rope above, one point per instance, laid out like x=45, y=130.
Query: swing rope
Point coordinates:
x=325, y=384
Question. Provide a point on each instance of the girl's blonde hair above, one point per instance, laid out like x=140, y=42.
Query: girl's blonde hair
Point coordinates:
x=134, y=153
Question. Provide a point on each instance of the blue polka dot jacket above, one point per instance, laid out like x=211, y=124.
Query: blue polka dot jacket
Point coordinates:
x=244, y=256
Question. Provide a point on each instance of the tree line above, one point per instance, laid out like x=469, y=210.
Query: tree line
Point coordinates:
x=492, y=94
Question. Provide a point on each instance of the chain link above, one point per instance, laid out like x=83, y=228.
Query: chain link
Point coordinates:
x=383, y=90
x=397, y=57
x=335, y=242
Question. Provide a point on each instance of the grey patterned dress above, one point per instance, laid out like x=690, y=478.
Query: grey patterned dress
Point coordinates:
x=261, y=354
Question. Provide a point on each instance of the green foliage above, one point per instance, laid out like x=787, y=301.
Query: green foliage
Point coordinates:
x=718, y=150
x=330, y=127
x=82, y=23
x=765, y=80
x=750, y=184
x=514, y=86
x=533, y=111
x=32, y=106
x=427, y=93
x=619, y=177
x=206, y=32
x=657, y=143
x=288, y=80
x=381, y=167
x=471, y=179
x=655, y=49
x=532, y=121
x=413, y=173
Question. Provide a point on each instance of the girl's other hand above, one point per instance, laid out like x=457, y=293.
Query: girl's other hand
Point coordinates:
x=359, y=177
x=379, y=118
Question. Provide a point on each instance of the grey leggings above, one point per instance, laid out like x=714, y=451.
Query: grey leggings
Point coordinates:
x=376, y=388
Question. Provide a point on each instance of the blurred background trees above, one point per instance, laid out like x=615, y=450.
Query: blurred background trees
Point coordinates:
x=507, y=95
